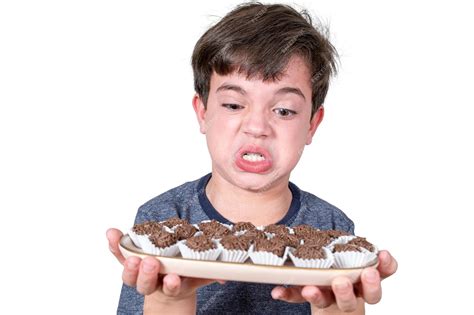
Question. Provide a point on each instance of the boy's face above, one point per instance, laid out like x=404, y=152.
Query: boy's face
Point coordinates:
x=256, y=131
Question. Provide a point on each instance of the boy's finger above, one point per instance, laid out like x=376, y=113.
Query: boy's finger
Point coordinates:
x=148, y=275
x=371, y=288
x=171, y=285
x=344, y=294
x=130, y=271
x=317, y=297
x=290, y=295
x=114, y=236
x=387, y=264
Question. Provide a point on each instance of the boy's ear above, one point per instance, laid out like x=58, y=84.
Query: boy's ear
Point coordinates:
x=314, y=123
x=200, y=111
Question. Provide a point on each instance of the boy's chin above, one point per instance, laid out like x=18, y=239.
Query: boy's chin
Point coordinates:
x=256, y=182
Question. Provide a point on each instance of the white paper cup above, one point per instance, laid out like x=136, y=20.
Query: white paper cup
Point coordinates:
x=134, y=238
x=187, y=252
x=238, y=256
x=344, y=239
x=150, y=248
x=267, y=258
x=353, y=259
x=313, y=263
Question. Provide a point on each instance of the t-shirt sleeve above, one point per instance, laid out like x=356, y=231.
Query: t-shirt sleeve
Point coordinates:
x=323, y=215
x=131, y=302
x=342, y=222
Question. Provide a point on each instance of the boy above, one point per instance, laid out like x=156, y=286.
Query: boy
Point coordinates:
x=261, y=75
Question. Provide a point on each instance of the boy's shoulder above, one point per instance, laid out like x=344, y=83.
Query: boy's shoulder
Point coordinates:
x=173, y=202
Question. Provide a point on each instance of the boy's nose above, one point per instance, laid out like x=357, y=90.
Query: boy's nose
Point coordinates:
x=256, y=124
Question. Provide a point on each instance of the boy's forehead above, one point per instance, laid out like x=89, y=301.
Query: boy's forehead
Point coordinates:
x=295, y=74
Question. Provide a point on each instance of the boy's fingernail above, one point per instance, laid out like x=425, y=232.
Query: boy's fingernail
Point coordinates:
x=147, y=267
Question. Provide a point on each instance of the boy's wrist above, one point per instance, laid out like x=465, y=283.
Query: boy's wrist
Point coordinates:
x=334, y=309
x=159, y=302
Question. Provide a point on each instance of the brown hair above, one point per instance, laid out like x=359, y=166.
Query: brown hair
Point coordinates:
x=258, y=40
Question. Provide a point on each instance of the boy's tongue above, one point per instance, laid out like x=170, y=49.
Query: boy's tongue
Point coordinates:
x=253, y=159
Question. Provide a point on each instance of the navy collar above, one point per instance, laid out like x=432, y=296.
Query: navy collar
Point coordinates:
x=212, y=213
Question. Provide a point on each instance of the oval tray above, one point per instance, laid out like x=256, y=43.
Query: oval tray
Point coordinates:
x=245, y=272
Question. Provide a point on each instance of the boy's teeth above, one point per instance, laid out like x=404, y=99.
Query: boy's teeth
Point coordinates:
x=253, y=157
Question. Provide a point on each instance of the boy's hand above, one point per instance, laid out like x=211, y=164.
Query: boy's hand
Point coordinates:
x=143, y=274
x=342, y=293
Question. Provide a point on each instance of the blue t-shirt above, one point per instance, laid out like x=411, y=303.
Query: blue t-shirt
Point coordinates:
x=189, y=201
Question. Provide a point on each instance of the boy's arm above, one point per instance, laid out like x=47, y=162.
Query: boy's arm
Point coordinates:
x=154, y=305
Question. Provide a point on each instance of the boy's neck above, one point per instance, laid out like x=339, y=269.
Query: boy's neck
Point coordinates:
x=237, y=204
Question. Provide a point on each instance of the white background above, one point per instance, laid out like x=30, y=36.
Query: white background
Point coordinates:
x=96, y=119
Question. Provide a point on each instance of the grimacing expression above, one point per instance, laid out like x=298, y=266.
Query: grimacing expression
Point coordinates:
x=256, y=131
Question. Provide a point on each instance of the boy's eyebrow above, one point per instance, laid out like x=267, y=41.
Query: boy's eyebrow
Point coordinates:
x=238, y=89
x=231, y=87
x=288, y=89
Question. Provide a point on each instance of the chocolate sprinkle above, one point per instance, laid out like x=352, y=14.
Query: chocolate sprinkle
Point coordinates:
x=288, y=239
x=185, y=231
x=362, y=242
x=272, y=245
x=276, y=229
x=346, y=248
x=243, y=226
x=209, y=225
x=147, y=228
x=171, y=222
x=163, y=239
x=213, y=229
x=307, y=251
x=303, y=230
x=317, y=240
x=317, y=237
x=253, y=235
x=232, y=242
x=218, y=232
x=200, y=243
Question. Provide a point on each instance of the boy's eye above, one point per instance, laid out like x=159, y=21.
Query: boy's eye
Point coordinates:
x=284, y=112
x=232, y=106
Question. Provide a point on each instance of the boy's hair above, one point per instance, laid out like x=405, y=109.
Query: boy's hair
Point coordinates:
x=258, y=40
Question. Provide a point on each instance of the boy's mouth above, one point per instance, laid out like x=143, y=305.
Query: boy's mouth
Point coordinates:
x=253, y=159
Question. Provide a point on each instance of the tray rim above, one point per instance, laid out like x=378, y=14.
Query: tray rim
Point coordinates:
x=139, y=252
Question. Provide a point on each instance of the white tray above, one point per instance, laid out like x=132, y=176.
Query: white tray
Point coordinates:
x=245, y=272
